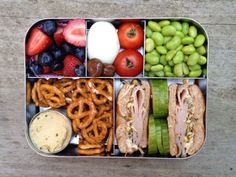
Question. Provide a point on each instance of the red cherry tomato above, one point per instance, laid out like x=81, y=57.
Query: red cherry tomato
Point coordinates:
x=128, y=63
x=131, y=35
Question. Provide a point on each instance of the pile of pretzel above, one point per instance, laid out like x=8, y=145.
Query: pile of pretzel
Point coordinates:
x=89, y=105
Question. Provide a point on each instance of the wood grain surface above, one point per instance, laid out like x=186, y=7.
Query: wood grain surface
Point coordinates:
x=218, y=158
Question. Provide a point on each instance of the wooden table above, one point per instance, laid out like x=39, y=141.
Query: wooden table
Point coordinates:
x=218, y=156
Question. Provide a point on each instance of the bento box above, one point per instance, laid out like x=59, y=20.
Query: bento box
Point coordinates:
x=116, y=88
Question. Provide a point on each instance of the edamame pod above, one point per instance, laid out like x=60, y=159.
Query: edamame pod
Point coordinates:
x=168, y=30
x=187, y=40
x=193, y=59
x=195, y=67
x=185, y=28
x=202, y=60
x=192, y=31
x=149, y=45
x=170, y=55
x=173, y=43
x=189, y=49
x=152, y=59
x=200, y=39
x=196, y=73
x=201, y=50
x=157, y=38
x=178, y=69
x=177, y=25
x=179, y=57
x=158, y=67
x=161, y=49
x=148, y=32
x=163, y=23
x=154, y=26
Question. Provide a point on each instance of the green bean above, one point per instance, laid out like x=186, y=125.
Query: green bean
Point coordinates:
x=163, y=23
x=157, y=38
x=148, y=32
x=149, y=45
x=160, y=73
x=178, y=70
x=161, y=49
x=170, y=54
x=179, y=57
x=202, y=60
x=173, y=43
x=169, y=74
x=185, y=69
x=151, y=74
x=167, y=39
x=152, y=59
x=193, y=59
x=194, y=67
x=177, y=25
x=196, y=73
x=168, y=30
x=163, y=60
x=192, y=31
x=187, y=40
x=167, y=68
x=158, y=67
x=147, y=67
x=154, y=26
x=188, y=49
x=185, y=28
x=171, y=63
x=180, y=34
x=201, y=50
x=200, y=39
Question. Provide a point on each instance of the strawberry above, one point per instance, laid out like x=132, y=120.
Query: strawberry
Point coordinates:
x=75, y=33
x=70, y=62
x=59, y=73
x=38, y=42
x=46, y=69
x=58, y=36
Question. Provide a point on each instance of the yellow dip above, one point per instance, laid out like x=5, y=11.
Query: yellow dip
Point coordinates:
x=50, y=131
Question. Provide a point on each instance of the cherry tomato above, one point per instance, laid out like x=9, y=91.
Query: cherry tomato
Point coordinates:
x=128, y=63
x=131, y=35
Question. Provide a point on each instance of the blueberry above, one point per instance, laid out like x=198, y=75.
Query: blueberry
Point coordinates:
x=80, y=70
x=35, y=68
x=53, y=46
x=67, y=48
x=58, y=54
x=49, y=27
x=57, y=65
x=80, y=53
x=45, y=59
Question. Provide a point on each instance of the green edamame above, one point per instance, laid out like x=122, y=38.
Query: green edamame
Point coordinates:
x=170, y=55
x=152, y=59
x=177, y=25
x=173, y=43
x=179, y=57
x=196, y=73
x=168, y=30
x=157, y=67
x=160, y=73
x=163, y=23
x=151, y=74
x=163, y=60
x=171, y=63
x=180, y=34
x=178, y=69
x=194, y=67
x=202, y=60
x=149, y=45
x=179, y=48
x=161, y=50
x=148, y=32
x=154, y=26
x=189, y=49
x=204, y=71
x=157, y=38
x=200, y=39
x=187, y=40
x=185, y=69
x=169, y=74
x=147, y=67
x=185, y=28
x=186, y=58
x=193, y=59
x=201, y=50
x=167, y=68
x=192, y=31
x=167, y=39
x=154, y=52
